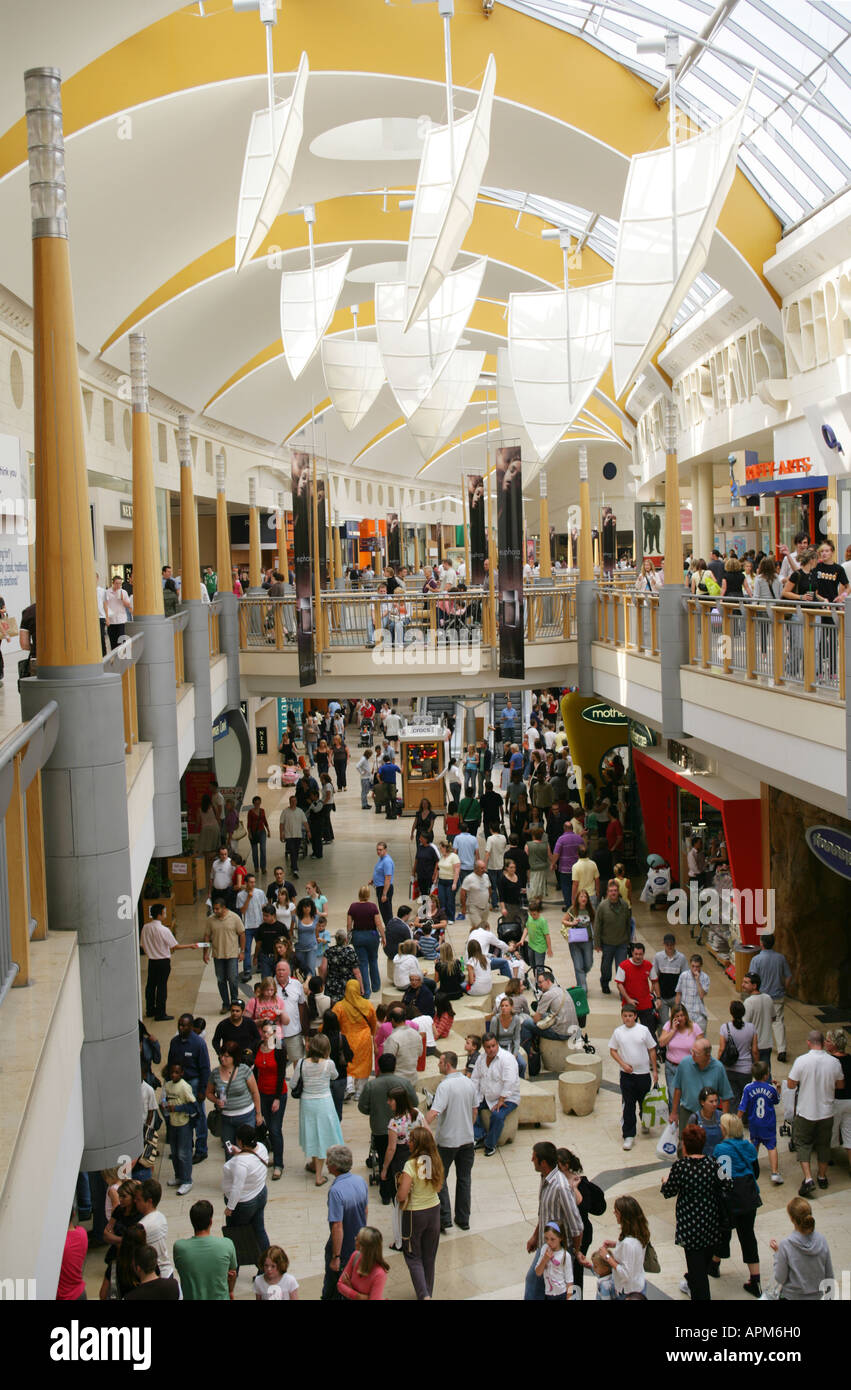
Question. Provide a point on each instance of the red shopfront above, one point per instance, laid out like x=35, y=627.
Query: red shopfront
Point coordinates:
x=661, y=787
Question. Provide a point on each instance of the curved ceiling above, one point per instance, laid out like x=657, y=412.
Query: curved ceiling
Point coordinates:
x=157, y=102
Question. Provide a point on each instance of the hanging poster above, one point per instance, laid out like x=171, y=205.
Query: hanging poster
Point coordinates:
x=652, y=523
x=302, y=506
x=394, y=539
x=509, y=523
x=478, y=532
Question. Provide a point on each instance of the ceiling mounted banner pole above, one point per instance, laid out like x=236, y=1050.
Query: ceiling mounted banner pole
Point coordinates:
x=564, y=242
x=447, y=10
x=355, y=308
x=672, y=61
x=270, y=19
x=310, y=218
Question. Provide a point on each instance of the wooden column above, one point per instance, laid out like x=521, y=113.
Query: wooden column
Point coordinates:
x=546, y=558
x=255, y=569
x=147, y=573
x=586, y=558
x=673, y=534
x=190, y=565
x=223, y=561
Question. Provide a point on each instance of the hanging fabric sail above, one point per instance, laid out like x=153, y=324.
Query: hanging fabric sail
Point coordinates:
x=647, y=295
x=512, y=430
x=451, y=171
x=434, y=422
x=354, y=375
x=308, y=301
x=552, y=386
x=268, y=167
x=413, y=361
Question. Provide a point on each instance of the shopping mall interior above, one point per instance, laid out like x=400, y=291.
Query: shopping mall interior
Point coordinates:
x=486, y=362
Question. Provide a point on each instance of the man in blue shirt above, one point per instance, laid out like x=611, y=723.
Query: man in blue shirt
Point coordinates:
x=388, y=773
x=694, y=1072
x=465, y=846
x=774, y=975
x=382, y=881
x=509, y=719
x=348, y=1207
x=190, y=1052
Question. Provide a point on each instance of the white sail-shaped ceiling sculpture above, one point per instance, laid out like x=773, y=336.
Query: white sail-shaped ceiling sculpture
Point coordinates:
x=414, y=361
x=354, y=375
x=308, y=300
x=646, y=296
x=447, y=187
x=511, y=427
x=268, y=167
x=433, y=423
x=550, y=392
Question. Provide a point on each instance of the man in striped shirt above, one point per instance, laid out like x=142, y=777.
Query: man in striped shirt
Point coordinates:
x=555, y=1203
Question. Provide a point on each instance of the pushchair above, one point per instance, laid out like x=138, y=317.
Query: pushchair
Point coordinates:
x=365, y=740
x=373, y=1163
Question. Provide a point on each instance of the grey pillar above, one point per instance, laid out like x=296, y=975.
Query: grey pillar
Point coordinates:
x=157, y=708
x=673, y=654
x=470, y=723
x=638, y=534
x=586, y=632
x=229, y=642
x=196, y=665
x=87, y=854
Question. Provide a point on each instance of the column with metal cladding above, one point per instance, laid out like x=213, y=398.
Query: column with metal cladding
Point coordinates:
x=586, y=617
x=196, y=634
x=673, y=619
x=229, y=610
x=84, y=781
x=156, y=693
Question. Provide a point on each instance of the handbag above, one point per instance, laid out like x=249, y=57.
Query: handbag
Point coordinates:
x=730, y=1055
x=651, y=1259
x=740, y=1196
x=297, y=1088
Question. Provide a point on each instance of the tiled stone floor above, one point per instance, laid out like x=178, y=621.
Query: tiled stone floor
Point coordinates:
x=490, y=1261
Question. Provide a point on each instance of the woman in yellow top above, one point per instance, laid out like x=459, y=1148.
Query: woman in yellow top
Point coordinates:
x=357, y=1024
x=624, y=885
x=416, y=1194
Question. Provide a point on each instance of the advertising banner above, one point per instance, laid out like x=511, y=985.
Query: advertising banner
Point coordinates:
x=302, y=507
x=394, y=539
x=322, y=530
x=478, y=530
x=509, y=524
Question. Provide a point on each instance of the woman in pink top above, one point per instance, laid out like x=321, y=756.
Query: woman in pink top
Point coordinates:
x=365, y=1274
x=678, y=1039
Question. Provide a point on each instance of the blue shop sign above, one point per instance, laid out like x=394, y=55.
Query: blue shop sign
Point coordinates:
x=832, y=847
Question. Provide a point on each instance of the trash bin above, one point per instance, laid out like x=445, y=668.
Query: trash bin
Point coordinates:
x=742, y=957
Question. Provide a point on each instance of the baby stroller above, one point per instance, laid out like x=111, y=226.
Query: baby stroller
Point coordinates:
x=365, y=740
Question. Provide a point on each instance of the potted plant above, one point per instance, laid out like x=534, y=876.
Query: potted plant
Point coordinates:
x=158, y=888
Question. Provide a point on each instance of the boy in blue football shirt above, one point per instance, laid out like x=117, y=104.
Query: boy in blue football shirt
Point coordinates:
x=757, y=1106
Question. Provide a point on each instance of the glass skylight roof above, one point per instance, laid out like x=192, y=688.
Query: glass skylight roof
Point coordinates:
x=797, y=138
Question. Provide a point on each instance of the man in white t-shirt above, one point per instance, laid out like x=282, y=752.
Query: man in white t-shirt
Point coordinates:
x=290, y=995
x=817, y=1076
x=221, y=877
x=633, y=1047
x=495, y=851
x=454, y=1105
x=475, y=895
x=155, y=1224
x=101, y=598
x=392, y=727
x=448, y=576
x=117, y=606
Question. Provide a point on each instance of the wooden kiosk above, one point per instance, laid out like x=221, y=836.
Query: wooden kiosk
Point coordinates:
x=423, y=758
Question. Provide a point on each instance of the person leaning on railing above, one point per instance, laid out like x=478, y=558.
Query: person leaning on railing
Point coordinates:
x=649, y=580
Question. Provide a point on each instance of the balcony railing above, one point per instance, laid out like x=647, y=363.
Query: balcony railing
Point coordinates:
x=215, y=647
x=628, y=619
x=354, y=619
x=23, y=881
x=123, y=661
x=787, y=643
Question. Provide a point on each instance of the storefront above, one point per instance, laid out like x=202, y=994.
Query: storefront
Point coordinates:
x=678, y=803
x=423, y=757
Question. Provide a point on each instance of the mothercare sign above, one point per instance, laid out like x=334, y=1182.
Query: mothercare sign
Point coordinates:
x=832, y=847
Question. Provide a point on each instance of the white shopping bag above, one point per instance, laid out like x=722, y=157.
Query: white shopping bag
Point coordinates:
x=667, y=1146
x=654, y=1107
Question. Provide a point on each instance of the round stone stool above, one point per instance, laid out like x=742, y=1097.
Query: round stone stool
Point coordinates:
x=509, y=1129
x=554, y=1054
x=577, y=1091
x=585, y=1061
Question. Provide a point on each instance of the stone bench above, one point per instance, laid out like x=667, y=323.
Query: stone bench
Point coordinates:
x=537, y=1102
x=585, y=1061
x=390, y=995
x=577, y=1091
x=554, y=1054
x=509, y=1129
